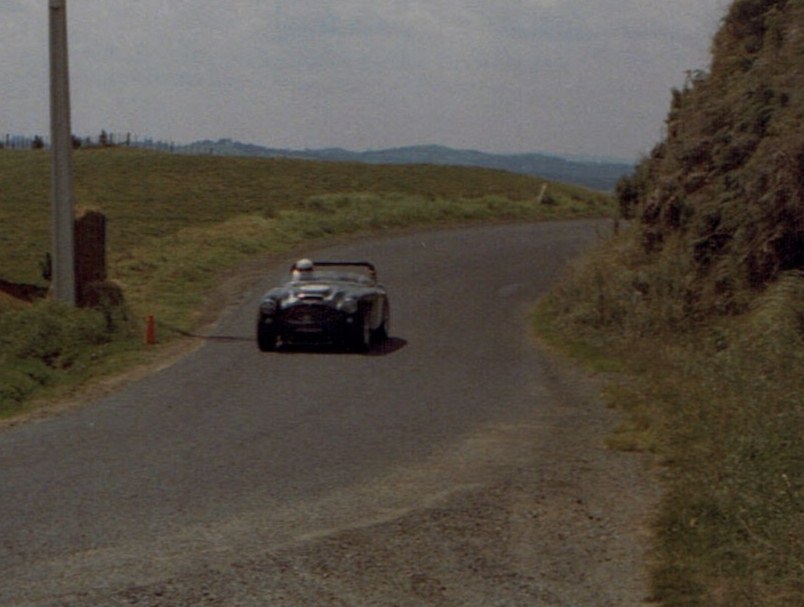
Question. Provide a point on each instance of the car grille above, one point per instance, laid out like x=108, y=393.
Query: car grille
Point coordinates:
x=310, y=315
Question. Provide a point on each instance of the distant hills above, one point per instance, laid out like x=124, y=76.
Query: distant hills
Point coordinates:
x=595, y=174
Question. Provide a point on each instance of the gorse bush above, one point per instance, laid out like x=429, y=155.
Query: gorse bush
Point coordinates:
x=728, y=181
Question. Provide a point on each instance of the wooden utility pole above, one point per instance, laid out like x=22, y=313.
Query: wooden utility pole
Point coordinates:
x=61, y=144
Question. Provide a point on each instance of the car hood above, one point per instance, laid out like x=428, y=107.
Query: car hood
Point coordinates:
x=314, y=292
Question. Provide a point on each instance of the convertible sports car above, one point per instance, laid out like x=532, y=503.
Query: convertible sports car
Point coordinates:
x=325, y=302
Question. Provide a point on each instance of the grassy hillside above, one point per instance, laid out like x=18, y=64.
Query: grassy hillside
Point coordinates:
x=178, y=224
x=700, y=307
x=151, y=195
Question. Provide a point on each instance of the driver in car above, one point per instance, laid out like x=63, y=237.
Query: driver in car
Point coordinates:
x=303, y=270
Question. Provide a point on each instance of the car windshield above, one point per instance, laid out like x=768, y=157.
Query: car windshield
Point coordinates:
x=335, y=276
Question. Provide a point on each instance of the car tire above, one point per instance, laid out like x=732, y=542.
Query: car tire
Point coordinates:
x=361, y=336
x=266, y=338
x=382, y=333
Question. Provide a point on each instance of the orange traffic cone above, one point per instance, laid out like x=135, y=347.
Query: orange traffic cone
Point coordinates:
x=150, y=331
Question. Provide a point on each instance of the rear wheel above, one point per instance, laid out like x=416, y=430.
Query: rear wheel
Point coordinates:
x=361, y=333
x=382, y=332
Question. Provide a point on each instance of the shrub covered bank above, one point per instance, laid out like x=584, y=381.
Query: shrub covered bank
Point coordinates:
x=701, y=305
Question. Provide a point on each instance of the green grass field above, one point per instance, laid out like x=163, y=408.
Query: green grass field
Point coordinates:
x=177, y=224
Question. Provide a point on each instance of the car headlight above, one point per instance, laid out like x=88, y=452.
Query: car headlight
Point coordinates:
x=267, y=306
x=348, y=305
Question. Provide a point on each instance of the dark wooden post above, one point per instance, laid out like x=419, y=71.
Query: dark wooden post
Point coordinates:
x=90, y=256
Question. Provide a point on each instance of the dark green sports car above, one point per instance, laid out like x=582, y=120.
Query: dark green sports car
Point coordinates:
x=325, y=302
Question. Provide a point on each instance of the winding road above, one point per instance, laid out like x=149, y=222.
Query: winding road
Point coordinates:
x=457, y=465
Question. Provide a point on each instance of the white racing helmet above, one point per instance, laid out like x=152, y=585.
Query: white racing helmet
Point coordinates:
x=302, y=268
x=305, y=265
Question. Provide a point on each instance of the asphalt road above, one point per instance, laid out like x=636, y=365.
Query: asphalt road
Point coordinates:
x=230, y=455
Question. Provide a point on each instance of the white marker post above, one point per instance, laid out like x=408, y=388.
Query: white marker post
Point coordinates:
x=63, y=218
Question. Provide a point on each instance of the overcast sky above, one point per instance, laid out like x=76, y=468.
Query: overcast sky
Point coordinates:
x=585, y=77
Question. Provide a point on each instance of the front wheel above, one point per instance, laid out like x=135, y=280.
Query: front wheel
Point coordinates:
x=266, y=338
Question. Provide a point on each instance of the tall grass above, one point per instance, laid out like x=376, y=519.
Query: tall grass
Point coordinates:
x=720, y=403
x=51, y=345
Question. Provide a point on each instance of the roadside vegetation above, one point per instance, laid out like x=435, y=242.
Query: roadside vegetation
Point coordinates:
x=178, y=225
x=697, y=314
